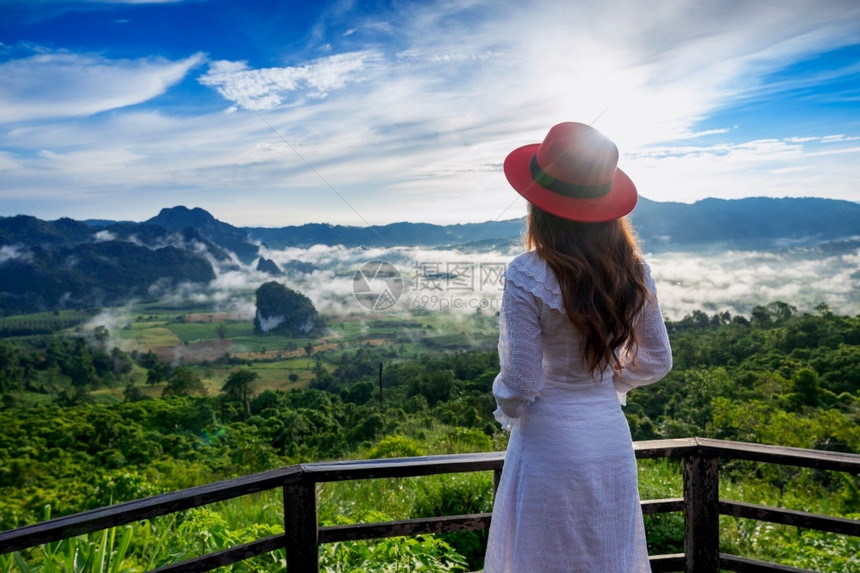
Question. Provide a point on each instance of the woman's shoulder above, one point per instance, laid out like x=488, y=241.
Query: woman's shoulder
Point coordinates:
x=531, y=273
x=529, y=259
x=526, y=267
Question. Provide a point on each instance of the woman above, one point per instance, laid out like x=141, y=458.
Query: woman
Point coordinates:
x=580, y=326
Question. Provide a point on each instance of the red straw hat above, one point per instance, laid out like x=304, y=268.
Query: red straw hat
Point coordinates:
x=573, y=174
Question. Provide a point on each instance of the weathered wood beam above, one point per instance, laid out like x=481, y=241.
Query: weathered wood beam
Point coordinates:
x=817, y=459
x=419, y=526
x=743, y=565
x=224, y=557
x=662, y=505
x=669, y=563
x=701, y=514
x=147, y=508
x=791, y=517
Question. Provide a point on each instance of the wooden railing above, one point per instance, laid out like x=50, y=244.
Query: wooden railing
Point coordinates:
x=302, y=535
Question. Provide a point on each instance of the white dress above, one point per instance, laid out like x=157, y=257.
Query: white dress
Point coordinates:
x=568, y=498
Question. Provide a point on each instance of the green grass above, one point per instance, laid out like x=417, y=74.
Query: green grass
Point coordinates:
x=270, y=342
x=275, y=375
x=194, y=331
x=47, y=315
x=148, y=336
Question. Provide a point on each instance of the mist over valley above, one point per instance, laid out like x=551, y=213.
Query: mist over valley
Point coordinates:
x=714, y=255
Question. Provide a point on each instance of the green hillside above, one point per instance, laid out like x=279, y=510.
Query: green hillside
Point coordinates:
x=85, y=425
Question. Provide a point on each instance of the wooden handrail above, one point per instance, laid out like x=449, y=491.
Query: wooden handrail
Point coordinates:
x=146, y=508
x=701, y=505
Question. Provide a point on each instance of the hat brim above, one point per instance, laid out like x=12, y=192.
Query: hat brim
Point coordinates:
x=620, y=200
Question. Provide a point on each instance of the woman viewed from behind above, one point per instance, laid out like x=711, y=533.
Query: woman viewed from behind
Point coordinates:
x=580, y=326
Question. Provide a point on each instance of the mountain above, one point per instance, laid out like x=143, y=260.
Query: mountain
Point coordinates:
x=232, y=238
x=49, y=265
x=28, y=230
x=395, y=234
x=93, y=274
x=45, y=265
x=189, y=238
x=757, y=222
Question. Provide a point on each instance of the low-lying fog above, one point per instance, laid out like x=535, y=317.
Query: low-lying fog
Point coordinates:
x=436, y=279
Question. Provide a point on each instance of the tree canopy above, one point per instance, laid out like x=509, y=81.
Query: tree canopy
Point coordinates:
x=283, y=310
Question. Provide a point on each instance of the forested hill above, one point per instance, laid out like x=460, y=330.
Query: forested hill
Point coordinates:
x=68, y=264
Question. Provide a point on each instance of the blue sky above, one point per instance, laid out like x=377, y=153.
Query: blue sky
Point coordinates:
x=279, y=113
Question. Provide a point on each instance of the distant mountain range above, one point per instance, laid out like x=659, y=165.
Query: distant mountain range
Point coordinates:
x=740, y=223
x=55, y=264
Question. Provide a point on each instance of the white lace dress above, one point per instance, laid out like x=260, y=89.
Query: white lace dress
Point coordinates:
x=568, y=498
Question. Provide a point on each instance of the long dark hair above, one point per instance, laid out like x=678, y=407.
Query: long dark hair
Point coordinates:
x=602, y=279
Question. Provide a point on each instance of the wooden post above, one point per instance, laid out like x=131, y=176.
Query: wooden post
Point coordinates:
x=701, y=514
x=301, y=527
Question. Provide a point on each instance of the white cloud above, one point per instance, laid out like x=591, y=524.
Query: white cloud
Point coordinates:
x=707, y=132
x=837, y=138
x=8, y=161
x=12, y=252
x=104, y=235
x=61, y=85
x=260, y=89
x=790, y=167
x=733, y=281
x=412, y=119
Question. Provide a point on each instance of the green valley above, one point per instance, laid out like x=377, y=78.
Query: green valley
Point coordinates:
x=96, y=415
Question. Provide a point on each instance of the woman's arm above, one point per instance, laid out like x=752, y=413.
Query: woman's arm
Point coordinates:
x=520, y=356
x=652, y=358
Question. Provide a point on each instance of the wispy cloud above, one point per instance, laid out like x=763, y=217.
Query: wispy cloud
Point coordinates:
x=838, y=138
x=412, y=111
x=11, y=252
x=789, y=167
x=451, y=279
x=62, y=85
x=261, y=89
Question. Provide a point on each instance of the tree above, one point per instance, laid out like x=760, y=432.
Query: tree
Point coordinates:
x=283, y=310
x=238, y=387
x=101, y=335
x=760, y=317
x=133, y=394
x=184, y=382
x=11, y=373
x=158, y=372
x=824, y=310
x=806, y=386
x=148, y=360
x=81, y=369
x=121, y=363
x=780, y=311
